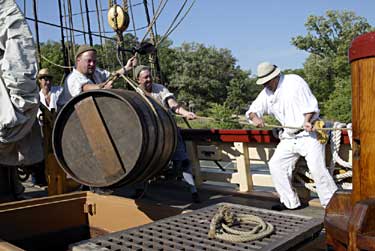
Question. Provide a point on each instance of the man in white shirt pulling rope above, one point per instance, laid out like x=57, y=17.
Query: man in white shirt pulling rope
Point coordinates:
x=289, y=99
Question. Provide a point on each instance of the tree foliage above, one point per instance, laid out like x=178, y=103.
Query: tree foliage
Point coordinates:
x=241, y=91
x=327, y=69
x=201, y=74
x=223, y=116
x=53, y=60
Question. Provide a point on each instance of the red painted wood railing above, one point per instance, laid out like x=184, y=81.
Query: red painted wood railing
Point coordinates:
x=225, y=135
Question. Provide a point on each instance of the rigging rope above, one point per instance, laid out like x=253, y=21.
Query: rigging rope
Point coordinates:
x=69, y=44
x=153, y=13
x=158, y=12
x=104, y=61
x=135, y=32
x=170, y=30
x=58, y=65
x=71, y=26
x=153, y=57
x=105, y=40
x=83, y=21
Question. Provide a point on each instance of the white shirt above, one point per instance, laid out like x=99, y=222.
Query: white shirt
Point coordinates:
x=288, y=104
x=161, y=94
x=75, y=81
x=54, y=96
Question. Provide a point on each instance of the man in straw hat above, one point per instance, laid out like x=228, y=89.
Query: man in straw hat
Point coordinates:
x=162, y=95
x=20, y=139
x=86, y=76
x=289, y=99
x=48, y=93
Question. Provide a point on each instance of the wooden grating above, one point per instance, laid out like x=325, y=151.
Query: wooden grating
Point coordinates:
x=189, y=232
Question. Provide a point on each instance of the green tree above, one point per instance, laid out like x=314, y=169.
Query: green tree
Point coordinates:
x=241, y=91
x=327, y=69
x=201, y=74
x=223, y=117
x=338, y=107
x=52, y=58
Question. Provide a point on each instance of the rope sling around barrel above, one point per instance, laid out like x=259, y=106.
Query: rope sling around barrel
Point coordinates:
x=113, y=137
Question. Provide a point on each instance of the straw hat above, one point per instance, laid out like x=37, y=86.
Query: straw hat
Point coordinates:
x=44, y=73
x=83, y=48
x=266, y=71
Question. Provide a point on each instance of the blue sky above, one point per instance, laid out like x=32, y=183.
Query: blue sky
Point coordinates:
x=253, y=30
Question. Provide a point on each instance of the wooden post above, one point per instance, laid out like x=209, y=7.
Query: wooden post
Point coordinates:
x=352, y=229
x=191, y=147
x=243, y=175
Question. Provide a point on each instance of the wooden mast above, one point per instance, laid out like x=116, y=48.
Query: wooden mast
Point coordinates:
x=349, y=219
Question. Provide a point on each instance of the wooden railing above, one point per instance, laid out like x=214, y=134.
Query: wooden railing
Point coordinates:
x=244, y=152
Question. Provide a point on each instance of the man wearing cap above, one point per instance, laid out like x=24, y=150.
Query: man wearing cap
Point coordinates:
x=20, y=139
x=289, y=99
x=86, y=76
x=162, y=95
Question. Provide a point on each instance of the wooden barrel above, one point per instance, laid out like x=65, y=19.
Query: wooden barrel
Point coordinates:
x=113, y=137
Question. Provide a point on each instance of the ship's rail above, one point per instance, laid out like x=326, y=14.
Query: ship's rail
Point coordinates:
x=238, y=158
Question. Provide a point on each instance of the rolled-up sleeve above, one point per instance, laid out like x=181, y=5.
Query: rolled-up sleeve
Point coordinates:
x=306, y=101
x=259, y=106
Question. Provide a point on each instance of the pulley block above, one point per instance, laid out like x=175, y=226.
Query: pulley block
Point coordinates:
x=118, y=19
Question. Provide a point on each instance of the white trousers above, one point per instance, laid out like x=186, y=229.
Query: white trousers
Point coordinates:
x=283, y=162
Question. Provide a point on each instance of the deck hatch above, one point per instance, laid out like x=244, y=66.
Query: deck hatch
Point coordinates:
x=189, y=232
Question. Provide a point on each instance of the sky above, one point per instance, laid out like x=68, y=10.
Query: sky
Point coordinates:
x=254, y=31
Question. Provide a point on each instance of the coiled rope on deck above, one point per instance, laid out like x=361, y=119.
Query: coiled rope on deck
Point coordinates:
x=224, y=219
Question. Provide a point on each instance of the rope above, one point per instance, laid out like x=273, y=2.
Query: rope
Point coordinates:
x=153, y=13
x=158, y=12
x=105, y=40
x=58, y=65
x=132, y=18
x=100, y=32
x=309, y=185
x=224, y=219
x=335, y=142
x=301, y=128
x=335, y=148
x=169, y=32
x=71, y=26
x=174, y=19
x=82, y=20
x=135, y=33
x=68, y=38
